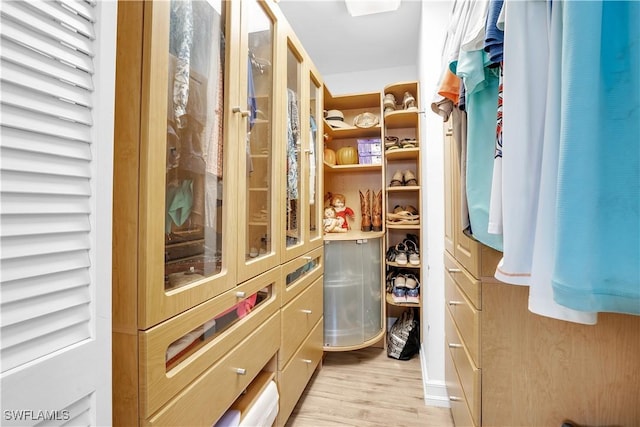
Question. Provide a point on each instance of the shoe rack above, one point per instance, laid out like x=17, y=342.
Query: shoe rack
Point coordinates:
x=403, y=198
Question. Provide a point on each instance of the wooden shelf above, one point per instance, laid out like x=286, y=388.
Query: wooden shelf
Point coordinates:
x=351, y=132
x=351, y=168
x=407, y=265
x=403, y=188
x=402, y=154
x=403, y=226
x=401, y=119
x=353, y=235
x=401, y=304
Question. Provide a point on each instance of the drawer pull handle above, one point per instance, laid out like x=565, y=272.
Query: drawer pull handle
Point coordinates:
x=307, y=361
x=308, y=258
x=241, y=371
x=245, y=113
x=306, y=311
x=455, y=399
x=453, y=270
x=240, y=294
x=455, y=303
x=452, y=345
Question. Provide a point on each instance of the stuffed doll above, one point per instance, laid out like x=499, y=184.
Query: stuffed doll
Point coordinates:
x=338, y=203
x=331, y=222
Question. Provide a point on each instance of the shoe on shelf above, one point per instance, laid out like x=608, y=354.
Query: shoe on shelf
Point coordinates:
x=408, y=143
x=411, y=281
x=409, y=102
x=413, y=254
x=391, y=254
x=389, y=102
x=397, y=180
x=399, y=294
x=391, y=143
x=408, y=178
x=413, y=295
x=401, y=254
x=400, y=281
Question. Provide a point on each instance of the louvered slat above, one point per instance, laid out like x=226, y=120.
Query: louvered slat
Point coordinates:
x=25, y=246
x=19, y=139
x=19, y=12
x=39, y=163
x=27, y=204
x=29, y=183
x=30, y=287
x=20, y=119
x=46, y=104
x=45, y=45
x=42, y=305
x=47, y=343
x=61, y=14
x=17, y=54
x=80, y=7
x=22, y=268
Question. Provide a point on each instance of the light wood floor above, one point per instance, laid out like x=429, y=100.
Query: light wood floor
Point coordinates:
x=366, y=388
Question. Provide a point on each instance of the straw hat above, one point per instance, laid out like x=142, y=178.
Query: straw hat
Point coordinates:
x=335, y=118
x=365, y=120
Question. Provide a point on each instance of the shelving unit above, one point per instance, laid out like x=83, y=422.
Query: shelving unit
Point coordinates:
x=353, y=293
x=403, y=124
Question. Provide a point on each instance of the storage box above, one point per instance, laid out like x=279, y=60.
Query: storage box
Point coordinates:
x=368, y=146
x=370, y=159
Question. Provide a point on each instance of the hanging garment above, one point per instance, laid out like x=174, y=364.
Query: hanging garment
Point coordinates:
x=179, y=201
x=459, y=130
x=495, y=202
x=597, y=261
x=494, y=36
x=293, y=144
x=526, y=53
x=313, y=128
x=541, y=299
x=481, y=84
x=182, y=41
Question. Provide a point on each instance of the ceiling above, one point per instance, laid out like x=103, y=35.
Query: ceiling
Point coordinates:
x=340, y=43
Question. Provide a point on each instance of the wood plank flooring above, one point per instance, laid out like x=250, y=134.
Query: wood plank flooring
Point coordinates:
x=365, y=388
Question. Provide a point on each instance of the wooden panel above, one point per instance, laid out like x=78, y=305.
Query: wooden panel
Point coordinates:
x=208, y=397
x=159, y=385
x=125, y=379
x=540, y=371
x=294, y=377
x=449, y=193
x=489, y=259
x=469, y=285
x=459, y=408
x=465, y=316
x=298, y=317
x=468, y=374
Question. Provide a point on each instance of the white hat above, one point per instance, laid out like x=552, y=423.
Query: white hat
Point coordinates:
x=335, y=118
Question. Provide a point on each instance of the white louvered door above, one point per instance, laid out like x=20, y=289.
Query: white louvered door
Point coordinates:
x=57, y=74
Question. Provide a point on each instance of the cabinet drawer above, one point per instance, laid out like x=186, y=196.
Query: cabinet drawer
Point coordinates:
x=469, y=375
x=471, y=286
x=296, y=374
x=160, y=381
x=203, y=401
x=459, y=408
x=465, y=316
x=301, y=272
x=298, y=318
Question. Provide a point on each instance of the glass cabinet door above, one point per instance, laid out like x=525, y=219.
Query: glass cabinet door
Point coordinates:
x=315, y=154
x=185, y=202
x=254, y=111
x=295, y=136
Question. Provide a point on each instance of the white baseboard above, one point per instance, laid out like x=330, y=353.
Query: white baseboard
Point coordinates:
x=435, y=392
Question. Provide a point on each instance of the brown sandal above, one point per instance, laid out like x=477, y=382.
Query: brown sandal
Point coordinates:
x=409, y=178
x=397, y=180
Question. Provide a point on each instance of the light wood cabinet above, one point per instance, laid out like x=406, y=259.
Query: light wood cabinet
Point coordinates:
x=403, y=192
x=211, y=263
x=508, y=366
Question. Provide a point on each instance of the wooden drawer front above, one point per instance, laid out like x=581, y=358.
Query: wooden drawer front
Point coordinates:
x=300, y=273
x=203, y=401
x=295, y=376
x=459, y=408
x=471, y=286
x=157, y=385
x=468, y=374
x=465, y=316
x=298, y=318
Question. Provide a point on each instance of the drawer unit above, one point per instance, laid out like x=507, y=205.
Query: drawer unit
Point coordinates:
x=465, y=315
x=459, y=408
x=471, y=286
x=298, y=318
x=204, y=400
x=298, y=371
x=160, y=381
x=469, y=375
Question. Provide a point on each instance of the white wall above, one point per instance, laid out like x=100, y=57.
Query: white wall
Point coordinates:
x=435, y=17
x=369, y=81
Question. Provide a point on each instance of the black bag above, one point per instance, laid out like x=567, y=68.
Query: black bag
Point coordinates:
x=403, y=339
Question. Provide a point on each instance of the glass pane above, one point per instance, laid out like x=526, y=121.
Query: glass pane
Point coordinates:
x=295, y=276
x=194, y=169
x=294, y=140
x=258, y=139
x=315, y=156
